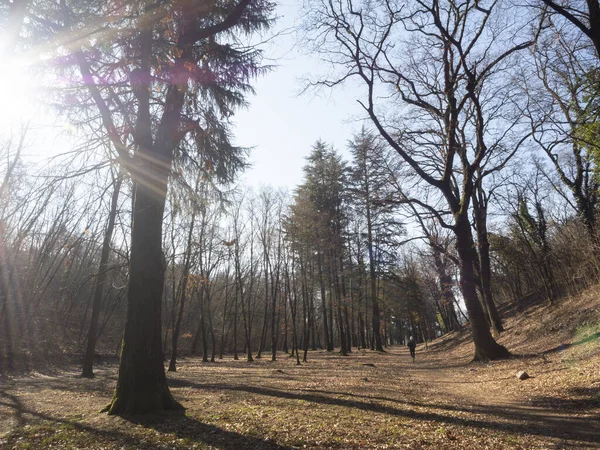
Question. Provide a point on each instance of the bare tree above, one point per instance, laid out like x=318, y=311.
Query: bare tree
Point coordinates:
x=585, y=18
x=88, y=361
x=561, y=108
x=444, y=80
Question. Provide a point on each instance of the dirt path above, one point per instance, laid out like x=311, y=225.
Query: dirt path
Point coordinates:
x=491, y=392
x=366, y=400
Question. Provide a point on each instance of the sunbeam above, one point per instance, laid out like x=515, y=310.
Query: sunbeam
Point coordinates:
x=19, y=91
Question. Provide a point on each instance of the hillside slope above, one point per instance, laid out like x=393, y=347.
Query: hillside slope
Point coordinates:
x=557, y=345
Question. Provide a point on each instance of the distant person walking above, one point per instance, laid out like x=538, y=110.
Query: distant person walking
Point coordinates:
x=411, y=346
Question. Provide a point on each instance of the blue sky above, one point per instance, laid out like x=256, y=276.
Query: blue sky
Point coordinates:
x=282, y=125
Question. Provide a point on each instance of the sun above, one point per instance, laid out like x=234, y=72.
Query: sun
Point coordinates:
x=18, y=90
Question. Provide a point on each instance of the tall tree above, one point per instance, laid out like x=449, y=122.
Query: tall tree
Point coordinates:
x=370, y=191
x=162, y=79
x=445, y=86
x=562, y=96
x=88, y=361
x=535, y=232
x=324, y=187
x=480, y=200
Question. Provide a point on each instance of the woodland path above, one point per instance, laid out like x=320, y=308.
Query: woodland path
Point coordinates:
x=491, y=396
x=366, y=400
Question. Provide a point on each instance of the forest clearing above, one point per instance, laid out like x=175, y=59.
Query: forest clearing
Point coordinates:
x=365, y=400
x=223, y=223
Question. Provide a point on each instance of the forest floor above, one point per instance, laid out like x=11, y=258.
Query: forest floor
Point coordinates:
x=366, y=400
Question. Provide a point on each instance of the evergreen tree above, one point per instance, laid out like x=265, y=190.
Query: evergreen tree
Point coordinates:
x=370, y=190
x=323, y=195
x=160, y=80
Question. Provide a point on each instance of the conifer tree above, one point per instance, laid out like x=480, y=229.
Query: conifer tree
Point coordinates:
x=322, y=195
x=160, y=80
x=369, y=191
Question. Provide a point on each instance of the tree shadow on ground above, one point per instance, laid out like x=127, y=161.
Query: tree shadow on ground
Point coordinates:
x=446, y=381
x=13, y=403
x=175, y=424
x=26, y=416
x=428, y=367
x=561, y=347
x=185, y=427
x=578, y=399
x=525, y=420
x=534, y=408
x=71, y=382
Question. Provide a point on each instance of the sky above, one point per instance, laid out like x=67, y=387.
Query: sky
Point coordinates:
x=283, y=125
x=280, y=125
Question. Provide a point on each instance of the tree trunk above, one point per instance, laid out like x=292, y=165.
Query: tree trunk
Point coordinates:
x=373, y=283
x=284, y=347
x=343, y=304
x=354, y=335
x=445, y=285
x=486, y=348
x=8, y=333
x=203, y=331
x=235, y=318
x=263, y=333
x=480, y=212
x=198, y=333
x=327, y=337
x=274, y=318
x=312, y=324
x=222, y=346
x=292, y=295
x=182, y=291
x=142, y=383
x=340, y=318
x=587, y=211
x=361, y=328
x=88, y=361
x=211, y=329
x=246, y=316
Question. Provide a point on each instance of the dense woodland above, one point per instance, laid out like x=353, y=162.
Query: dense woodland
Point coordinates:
x=470, y=185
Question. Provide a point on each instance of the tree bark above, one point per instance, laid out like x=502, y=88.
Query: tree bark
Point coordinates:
x=327, y=337
x=88, y=361
x=203, y=330
x=235, y=324
x=198, y=333
x=372, y=273
x=142, y=383
x=222, y=346
x=274, y=316
x=486, y=348
x=480, y=213
x=340, y=318
x=182, y=294
x=246, y=315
